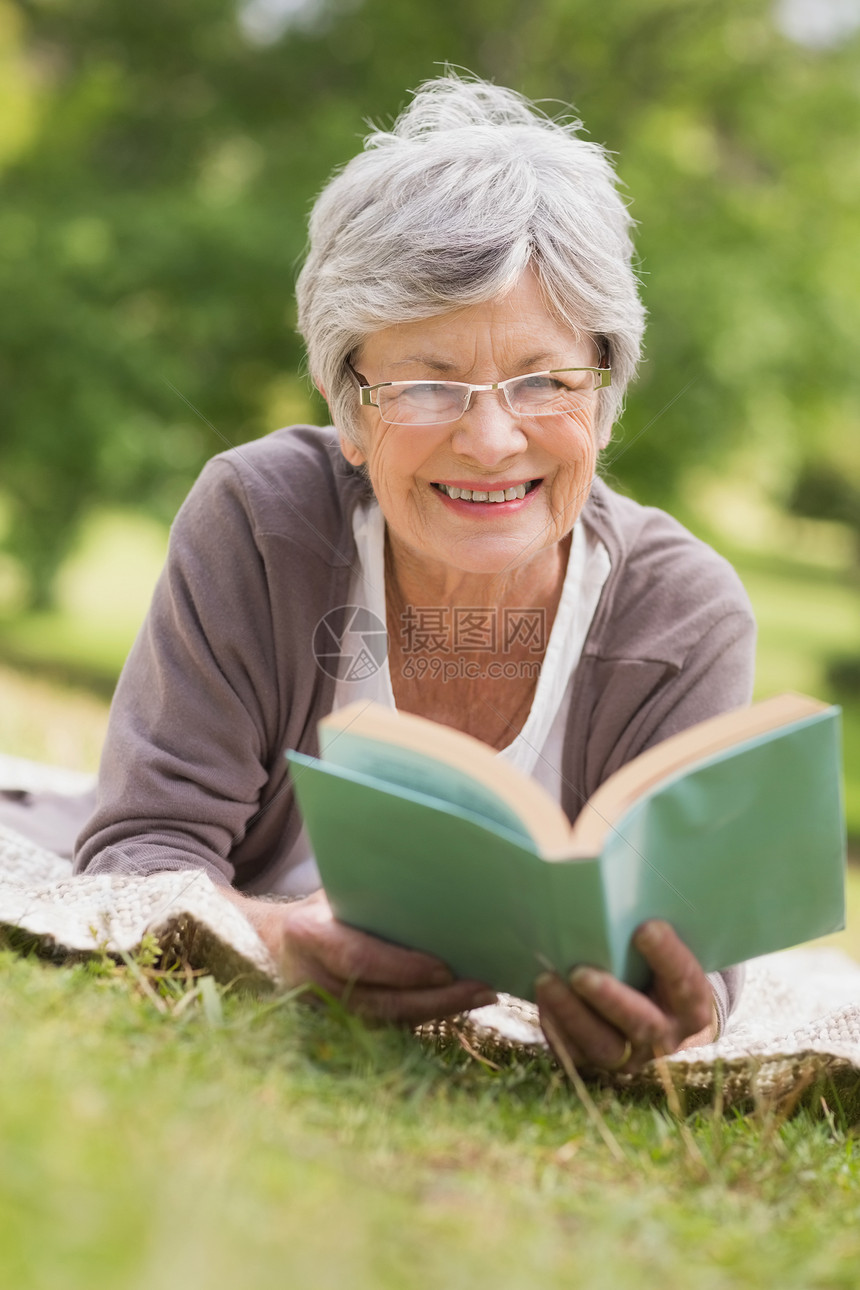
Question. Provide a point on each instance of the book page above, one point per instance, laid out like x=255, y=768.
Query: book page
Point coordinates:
x=678, y=753
x=403, y=749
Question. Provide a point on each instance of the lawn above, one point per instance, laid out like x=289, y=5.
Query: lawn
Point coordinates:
x=262, y=1143
x=203, y=1138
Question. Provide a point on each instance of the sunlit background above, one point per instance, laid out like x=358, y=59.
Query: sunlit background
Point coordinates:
x=157, y=165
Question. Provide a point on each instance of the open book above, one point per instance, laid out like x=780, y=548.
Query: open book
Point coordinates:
x=732, y=830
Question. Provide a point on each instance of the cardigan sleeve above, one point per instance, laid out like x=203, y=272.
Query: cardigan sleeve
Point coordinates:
x=194, y=713
x=672, y=644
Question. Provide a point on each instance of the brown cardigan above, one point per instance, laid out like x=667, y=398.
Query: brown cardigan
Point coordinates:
x=222, y=677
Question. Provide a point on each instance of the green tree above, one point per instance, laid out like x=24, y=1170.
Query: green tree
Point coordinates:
x=160, y=164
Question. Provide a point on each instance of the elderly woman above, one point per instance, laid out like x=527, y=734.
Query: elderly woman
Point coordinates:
x=471, y=317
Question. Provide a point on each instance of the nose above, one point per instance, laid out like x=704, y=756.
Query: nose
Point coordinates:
x=488, y=432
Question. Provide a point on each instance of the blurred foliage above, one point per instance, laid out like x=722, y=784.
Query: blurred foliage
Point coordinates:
x=157, y=163
x=823, y=491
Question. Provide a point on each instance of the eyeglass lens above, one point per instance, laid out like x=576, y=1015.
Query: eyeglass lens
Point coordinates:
x=433, y=403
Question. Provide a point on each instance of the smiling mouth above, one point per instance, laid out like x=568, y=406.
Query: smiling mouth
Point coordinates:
x=495, y=495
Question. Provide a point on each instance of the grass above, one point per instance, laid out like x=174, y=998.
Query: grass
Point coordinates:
x=103, y=592
x=803, y=622
x=45, y=721
x=270, y=1144
x=807, y=616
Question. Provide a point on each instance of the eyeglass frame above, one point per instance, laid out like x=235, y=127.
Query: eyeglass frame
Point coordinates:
x=365, y=390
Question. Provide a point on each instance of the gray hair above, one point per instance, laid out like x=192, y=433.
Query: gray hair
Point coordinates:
x=472, y=185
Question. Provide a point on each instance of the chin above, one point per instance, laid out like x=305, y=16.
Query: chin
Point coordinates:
x=493, y=557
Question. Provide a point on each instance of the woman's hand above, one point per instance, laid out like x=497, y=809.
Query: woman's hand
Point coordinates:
x=604, y=1025
x=370, y=976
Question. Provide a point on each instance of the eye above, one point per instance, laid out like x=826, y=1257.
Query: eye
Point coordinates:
x=539, y=383
x=547, y=393
x=581, y=379
x=426, y=393
x=421, y=402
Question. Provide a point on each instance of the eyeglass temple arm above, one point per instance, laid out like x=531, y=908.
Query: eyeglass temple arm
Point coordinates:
x=364, y=389
x=603, y=373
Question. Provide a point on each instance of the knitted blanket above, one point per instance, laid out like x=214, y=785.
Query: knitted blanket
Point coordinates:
x=797, y=1025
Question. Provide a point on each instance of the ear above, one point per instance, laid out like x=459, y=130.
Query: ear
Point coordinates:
x=352, y=452
x=603, y=434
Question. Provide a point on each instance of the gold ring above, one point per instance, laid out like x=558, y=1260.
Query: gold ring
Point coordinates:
x=623, y=1059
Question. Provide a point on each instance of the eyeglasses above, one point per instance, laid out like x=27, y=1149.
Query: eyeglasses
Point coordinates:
x=433, y=403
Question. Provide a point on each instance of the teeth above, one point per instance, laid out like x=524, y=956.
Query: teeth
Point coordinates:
x=478, y=495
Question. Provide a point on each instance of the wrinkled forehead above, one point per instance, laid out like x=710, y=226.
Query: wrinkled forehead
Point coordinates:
x=508, y=335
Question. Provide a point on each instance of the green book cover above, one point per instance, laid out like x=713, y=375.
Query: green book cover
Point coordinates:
x=742, y=851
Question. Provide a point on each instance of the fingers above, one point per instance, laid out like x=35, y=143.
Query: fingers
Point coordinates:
x=632, y=1014
x=312, y=935
x=412, y=1007
x=680, y=988
x=369, y=975
x=590, y=1041
x=606, y=1025
x=347, y=954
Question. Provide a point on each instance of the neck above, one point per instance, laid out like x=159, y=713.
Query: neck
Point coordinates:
x=538, y=584
x=453, y=618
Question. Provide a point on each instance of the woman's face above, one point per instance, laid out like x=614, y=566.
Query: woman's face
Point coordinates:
x=489, y=448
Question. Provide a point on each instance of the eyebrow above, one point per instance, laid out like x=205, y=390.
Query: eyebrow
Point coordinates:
x=425, y=360
x=531, y=363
